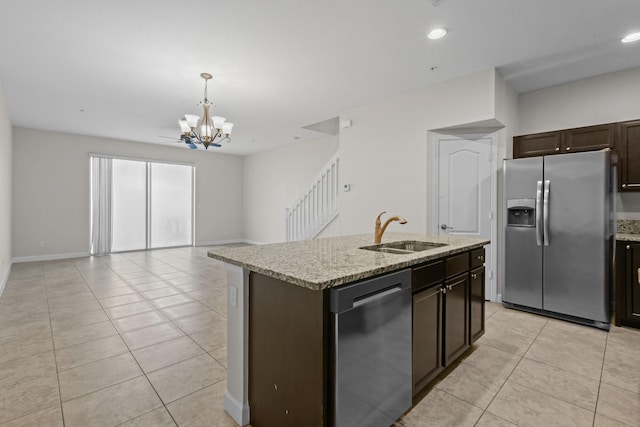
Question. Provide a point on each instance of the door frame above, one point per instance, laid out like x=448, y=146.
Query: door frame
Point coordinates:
x=434, y=140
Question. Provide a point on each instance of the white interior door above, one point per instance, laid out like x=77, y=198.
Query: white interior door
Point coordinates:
x=464, y=192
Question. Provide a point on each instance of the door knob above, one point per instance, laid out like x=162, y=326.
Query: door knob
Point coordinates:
x=446, y=227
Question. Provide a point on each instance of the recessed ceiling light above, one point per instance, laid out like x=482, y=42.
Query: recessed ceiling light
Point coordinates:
x=438, y=33
x=633, y=37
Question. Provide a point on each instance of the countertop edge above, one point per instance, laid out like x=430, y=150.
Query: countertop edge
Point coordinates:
x=416, y=259
x=628, y=237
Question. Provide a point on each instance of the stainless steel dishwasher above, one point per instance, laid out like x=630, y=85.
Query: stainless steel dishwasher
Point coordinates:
x=371, y=351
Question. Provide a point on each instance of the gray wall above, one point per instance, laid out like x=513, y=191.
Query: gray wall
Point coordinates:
x=5, y=192
x=51, y=190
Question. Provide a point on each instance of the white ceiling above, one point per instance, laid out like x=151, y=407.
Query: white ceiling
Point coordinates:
x=129, y=69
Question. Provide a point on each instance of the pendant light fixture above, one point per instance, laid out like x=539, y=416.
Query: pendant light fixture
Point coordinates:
x=206, y=130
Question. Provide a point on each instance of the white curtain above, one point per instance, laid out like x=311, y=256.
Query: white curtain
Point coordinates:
x=100, y=205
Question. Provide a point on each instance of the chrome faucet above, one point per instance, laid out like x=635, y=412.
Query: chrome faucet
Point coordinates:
x=380, y=230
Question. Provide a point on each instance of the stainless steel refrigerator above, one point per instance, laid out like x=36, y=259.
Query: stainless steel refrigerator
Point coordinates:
x=558, y=236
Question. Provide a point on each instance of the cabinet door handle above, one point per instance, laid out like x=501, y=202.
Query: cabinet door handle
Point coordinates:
x=628, y=247
x=557, y=148
x=568, y=148
x=624, y=185
x=481, y=257
x=450, y=287
x=639, y=276
x=474, y=276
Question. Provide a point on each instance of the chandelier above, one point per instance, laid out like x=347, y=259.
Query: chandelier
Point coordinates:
x=207, y=130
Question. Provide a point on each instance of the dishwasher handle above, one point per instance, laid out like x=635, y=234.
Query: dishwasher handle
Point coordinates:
x=347, y=297
x=367, y=299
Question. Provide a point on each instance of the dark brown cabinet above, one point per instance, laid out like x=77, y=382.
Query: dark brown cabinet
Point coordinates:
x=628, y=148
x=628, y=284
x=476, y=295
x=448, y=312
x=587, y=138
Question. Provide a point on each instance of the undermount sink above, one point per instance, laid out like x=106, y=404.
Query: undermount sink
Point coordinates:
x=403, y=247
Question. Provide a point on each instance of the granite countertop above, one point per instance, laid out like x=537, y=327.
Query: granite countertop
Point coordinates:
x=323, y=263
x=628, y=230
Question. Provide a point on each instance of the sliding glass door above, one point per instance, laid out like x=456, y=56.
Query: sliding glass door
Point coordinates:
x=150, y=205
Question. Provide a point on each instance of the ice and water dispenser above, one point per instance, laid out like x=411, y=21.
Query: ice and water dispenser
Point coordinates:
x=521, y=213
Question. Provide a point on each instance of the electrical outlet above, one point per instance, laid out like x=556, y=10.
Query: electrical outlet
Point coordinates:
x=41, y=243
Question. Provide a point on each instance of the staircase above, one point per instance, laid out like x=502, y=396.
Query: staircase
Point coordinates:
x=316, y=207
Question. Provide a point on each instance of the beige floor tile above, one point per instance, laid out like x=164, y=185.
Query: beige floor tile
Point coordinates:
x=86, y=318
x=32, y=329
x=156, y=284
x=147, y=278
x=171, y=300
x=492, y=360
x=26, y=369
x=166, y=353
x=220, y=354
x=602, y=421
x=202, y=408
x=137, y=321
x=178, y=380
x=23, y=347
x=489, y=420
x=151, y=335
x=183, y=310
x=83, y=333
x=128, y=309
x=90, y=351
x=113, y=292
x=49, y=417
x=574, y=348
x=27, y=397
x=157, y=418
x=212, y=338
x=622, y=368
x=475, y=386
x=84, y=379
x=441, y=409
x=200, y=321
x=526, y=407
x=161, y=292
x=72, y=310
x=112, y=405
x=619, y=404
x=573, y=388
x=120, y=300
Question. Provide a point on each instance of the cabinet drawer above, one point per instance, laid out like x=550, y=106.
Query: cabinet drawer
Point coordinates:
x=427, y=275
x=456, y=264
x=477, y=257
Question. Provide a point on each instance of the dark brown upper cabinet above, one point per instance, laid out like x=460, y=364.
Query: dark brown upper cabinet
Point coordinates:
x=628, y=148
x=588, y=138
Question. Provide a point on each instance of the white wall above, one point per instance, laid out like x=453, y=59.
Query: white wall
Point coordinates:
x=384, y=155
x=274, y=179
x=607, y=98
x=51, y=190
x=5, y=192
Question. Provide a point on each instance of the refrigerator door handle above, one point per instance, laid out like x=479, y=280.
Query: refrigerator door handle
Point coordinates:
x=539, y=213
x=545, y=212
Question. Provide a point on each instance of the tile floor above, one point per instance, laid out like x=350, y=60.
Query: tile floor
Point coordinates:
x=138, y=339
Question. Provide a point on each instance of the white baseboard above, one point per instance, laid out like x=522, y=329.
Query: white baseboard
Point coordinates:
x=229, y=242
x=5, y=279
x=51, y=257
x=235, y=409
x=499, y=298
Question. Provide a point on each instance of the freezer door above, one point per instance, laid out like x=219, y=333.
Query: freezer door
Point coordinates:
x=577, y=258
x=523, y=253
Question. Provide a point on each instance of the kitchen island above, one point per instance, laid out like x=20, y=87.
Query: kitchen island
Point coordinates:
x=279, y=324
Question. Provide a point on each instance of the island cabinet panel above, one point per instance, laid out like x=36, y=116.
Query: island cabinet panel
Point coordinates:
x=427, y=336
x=456, y=312
x=476, y=303
x=628, y=284
x=628, y=147
x=288, y=354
